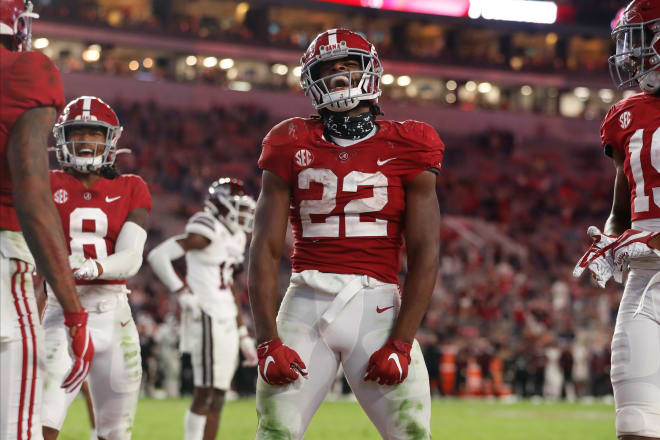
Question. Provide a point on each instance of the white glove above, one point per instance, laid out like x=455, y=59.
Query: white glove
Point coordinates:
x=88, y=270
x=598, y=258
x=186, y=299
x=76, y=260
x=631, y=245
x=248, y=348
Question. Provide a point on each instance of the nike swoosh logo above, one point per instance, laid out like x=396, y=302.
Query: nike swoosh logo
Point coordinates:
x=269, y=360
x=379, y=310
x=380, y=163
x=111, y=199
x=124, y=324
x=395, y=358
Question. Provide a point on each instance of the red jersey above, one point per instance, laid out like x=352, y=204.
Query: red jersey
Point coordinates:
x=632, y=126
x=348, y=203
x=27, y=80
x=92, y=217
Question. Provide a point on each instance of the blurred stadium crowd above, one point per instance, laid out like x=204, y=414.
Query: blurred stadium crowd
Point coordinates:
x=507, y=317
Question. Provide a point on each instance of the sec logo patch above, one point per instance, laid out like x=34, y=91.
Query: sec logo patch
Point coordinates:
x=625, y=119
x=303, y=157
x=60, y=196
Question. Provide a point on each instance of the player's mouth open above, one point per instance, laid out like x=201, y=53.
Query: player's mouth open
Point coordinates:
x=338, y=83
x=86, y=152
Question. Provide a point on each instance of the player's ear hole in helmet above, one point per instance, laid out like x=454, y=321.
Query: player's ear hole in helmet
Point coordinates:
x=228, y=202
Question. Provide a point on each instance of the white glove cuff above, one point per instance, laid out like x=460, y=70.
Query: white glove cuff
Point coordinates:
x=242, y=332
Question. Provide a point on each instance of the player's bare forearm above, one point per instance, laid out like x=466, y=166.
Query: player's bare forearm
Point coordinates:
x=270, y=222
x=239, y=319
x=619, y=219
x=423, y=254
x=37, y=215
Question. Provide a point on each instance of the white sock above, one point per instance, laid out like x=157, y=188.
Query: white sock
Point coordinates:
x=193, y=426
x=93, y=435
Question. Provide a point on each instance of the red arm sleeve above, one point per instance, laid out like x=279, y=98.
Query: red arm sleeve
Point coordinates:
x=38, y=81
x=426, y=150
x=141, y=198
x=275, y=153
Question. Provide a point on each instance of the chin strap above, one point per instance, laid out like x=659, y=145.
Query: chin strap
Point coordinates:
x=342, y=126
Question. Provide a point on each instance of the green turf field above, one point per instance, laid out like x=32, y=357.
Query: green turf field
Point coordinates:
x=452, y=419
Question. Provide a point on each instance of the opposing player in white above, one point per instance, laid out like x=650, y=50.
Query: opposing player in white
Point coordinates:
x=631, y=237
x=214, y=247
x=104, y=216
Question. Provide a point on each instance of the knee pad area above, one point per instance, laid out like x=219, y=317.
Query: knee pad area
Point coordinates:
x=638, y=421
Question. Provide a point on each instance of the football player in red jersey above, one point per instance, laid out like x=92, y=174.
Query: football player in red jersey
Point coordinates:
x=31, y=97
x=104, y=216
x=353, y=188
x=630, y=135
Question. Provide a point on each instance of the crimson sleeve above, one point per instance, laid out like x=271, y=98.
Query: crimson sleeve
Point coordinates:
x=426, y=152
x=275, y=153
x=38, y=81
x=141, y=198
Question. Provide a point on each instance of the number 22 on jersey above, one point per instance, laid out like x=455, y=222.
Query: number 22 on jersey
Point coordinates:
x=635, y=147
x=353, y=225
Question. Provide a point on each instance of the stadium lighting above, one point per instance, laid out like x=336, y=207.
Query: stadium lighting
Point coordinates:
x=296, y=71
x=148, y=63
x=528, y=11
x=133, y=65
x=403, y=80
x=210, y=62
x=92, y=54
x=451, y=85
x=582, y=93
x=41, y=43
x=450, y=98
x=240, y=86
x=232, y=73
x=526, y=90
x=226, y=63
x=485, y=87
x=607, y=95
x=279, y=69
x=387, y=79
x=191, y=60
x=470, y=86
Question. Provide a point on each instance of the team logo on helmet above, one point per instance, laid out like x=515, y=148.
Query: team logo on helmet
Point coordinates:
x=60, y=196
x=624, y=120
x=303, y=157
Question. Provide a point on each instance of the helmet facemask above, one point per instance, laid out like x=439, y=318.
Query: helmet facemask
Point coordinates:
x=352, y=86
x=637, y=57
x=67, y=154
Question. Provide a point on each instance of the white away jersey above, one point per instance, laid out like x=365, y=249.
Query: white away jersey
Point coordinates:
x=210, y=270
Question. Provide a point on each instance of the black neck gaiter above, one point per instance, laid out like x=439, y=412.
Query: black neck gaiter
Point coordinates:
x=348, y=127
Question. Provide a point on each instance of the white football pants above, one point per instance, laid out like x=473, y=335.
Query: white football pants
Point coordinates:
x=21, y=343
x=115, y=373
x=357, y=329
x=636, y=357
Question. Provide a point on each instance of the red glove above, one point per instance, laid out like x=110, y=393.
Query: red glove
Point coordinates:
x=81, y=349
x=279, y=364
x=389, y=365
